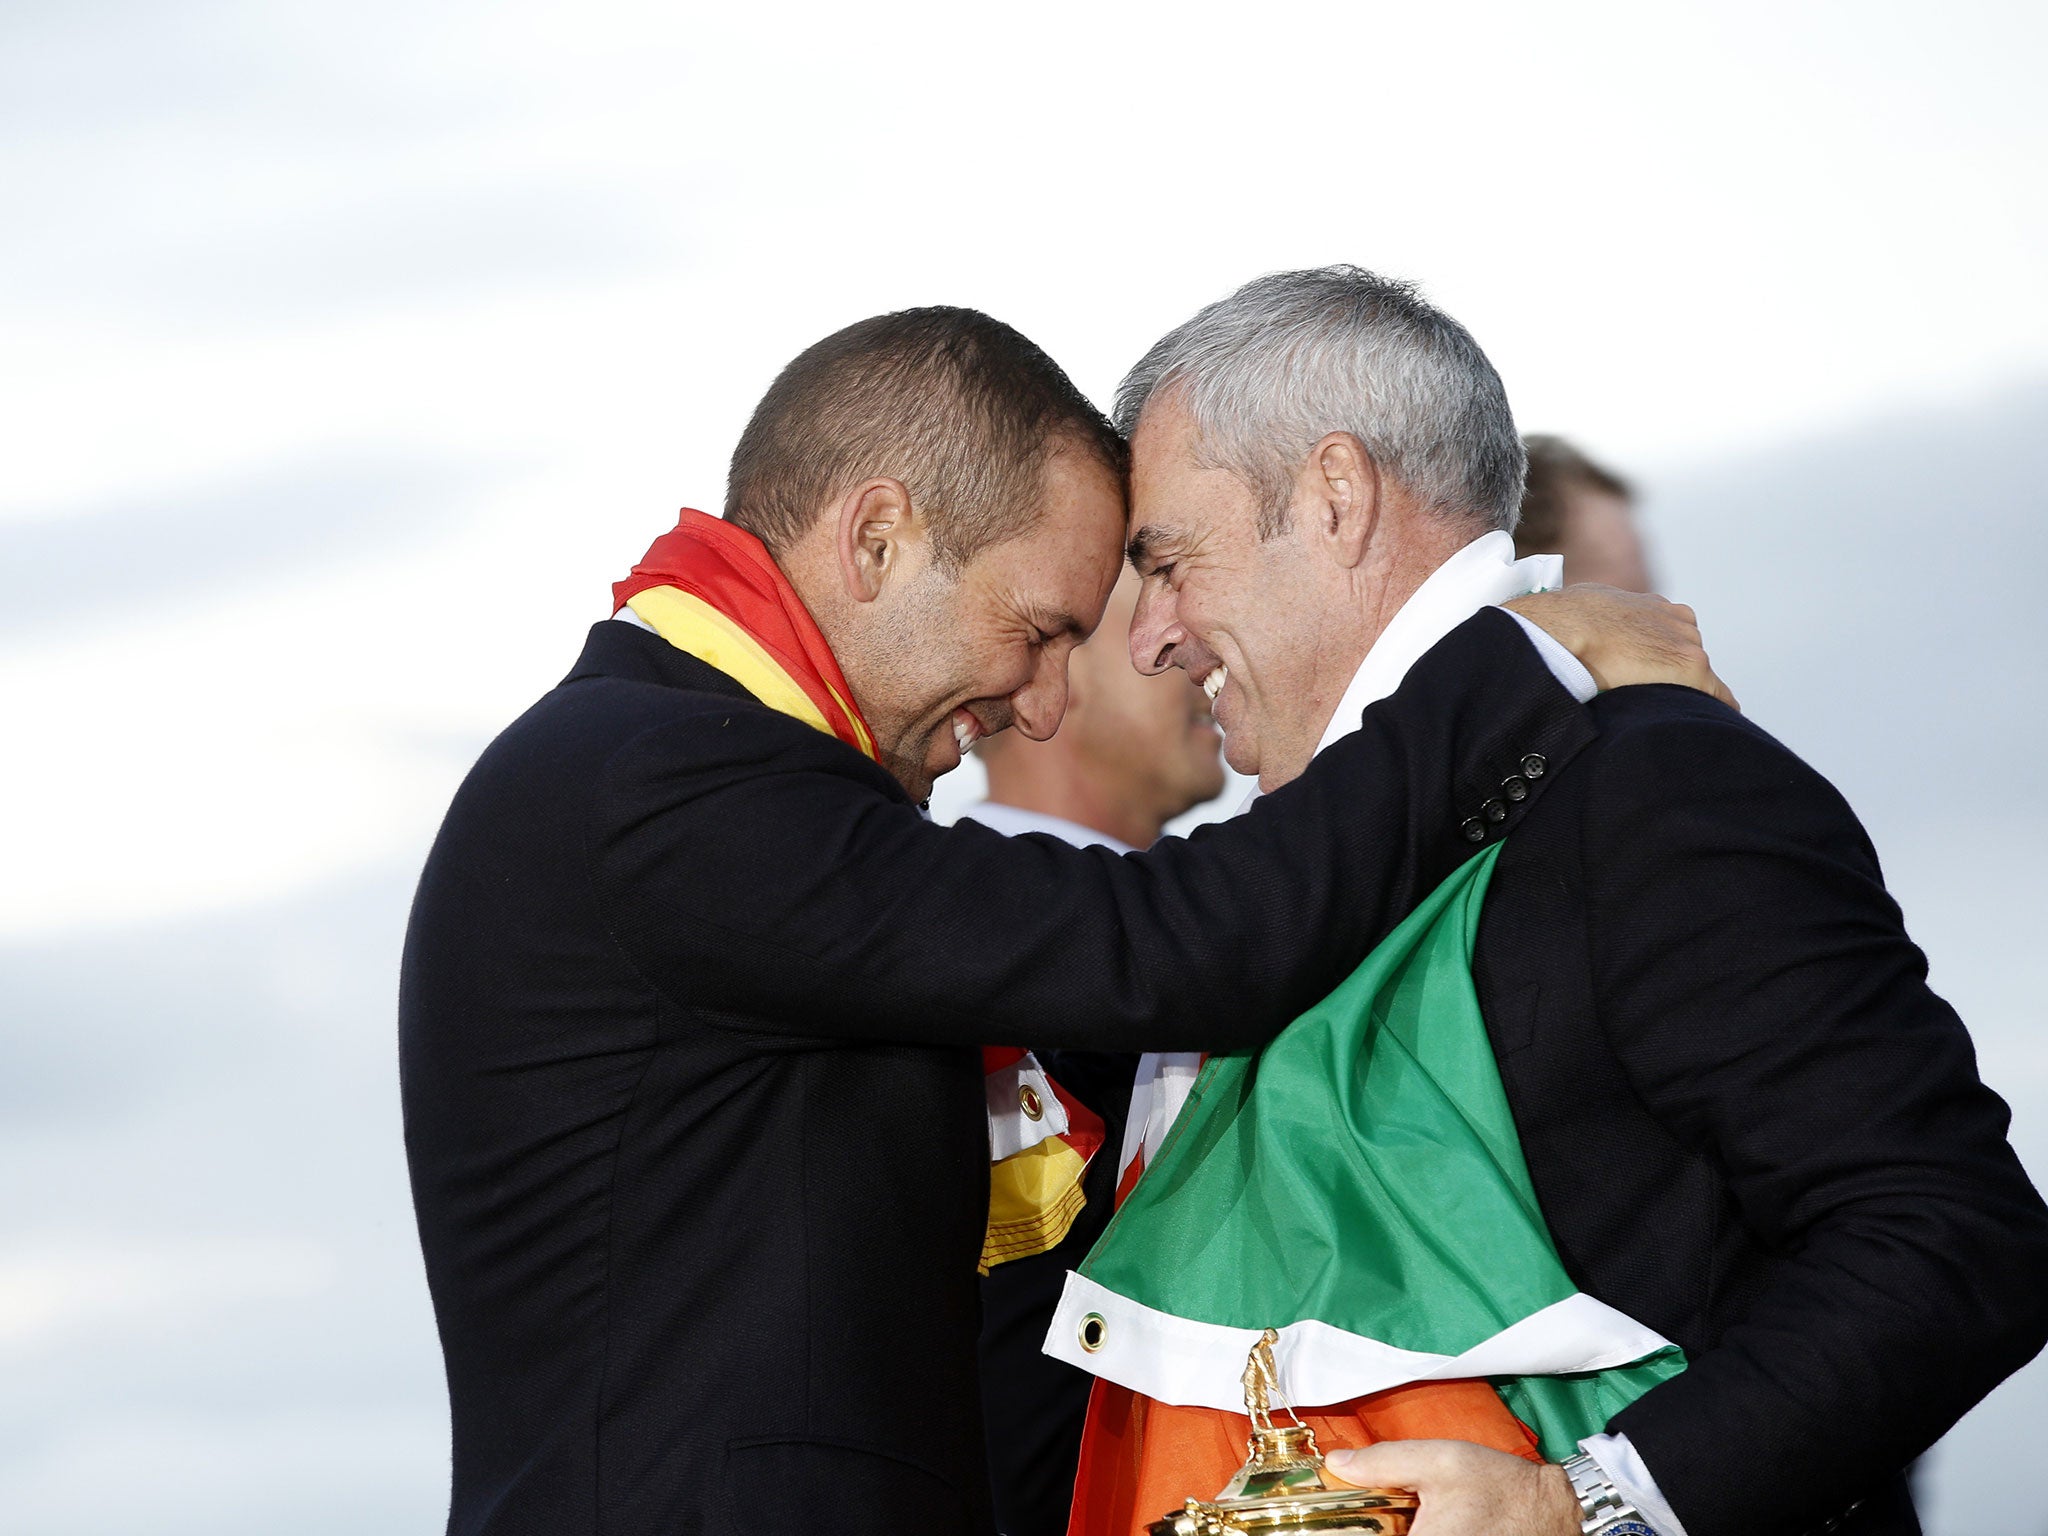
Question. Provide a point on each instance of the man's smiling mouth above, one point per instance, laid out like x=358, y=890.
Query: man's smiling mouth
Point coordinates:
x=966, y=731
x=1213, y=683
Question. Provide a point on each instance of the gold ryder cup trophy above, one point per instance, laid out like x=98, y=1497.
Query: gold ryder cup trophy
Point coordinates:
x=1281, y=1490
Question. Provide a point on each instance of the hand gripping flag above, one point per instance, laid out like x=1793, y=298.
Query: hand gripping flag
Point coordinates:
x=713, y=590
x=1358, y=1185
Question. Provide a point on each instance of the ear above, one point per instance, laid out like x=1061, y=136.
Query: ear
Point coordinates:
x=1344, y=489
x=875, y=530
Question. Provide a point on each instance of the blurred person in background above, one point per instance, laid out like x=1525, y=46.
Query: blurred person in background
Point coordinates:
x=1578, y=509
x=1132, y=753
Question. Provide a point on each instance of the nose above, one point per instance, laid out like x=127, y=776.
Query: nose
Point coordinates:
x=1154, y=633
x=1041, y=704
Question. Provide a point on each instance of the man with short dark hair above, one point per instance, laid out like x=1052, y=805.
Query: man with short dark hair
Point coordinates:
x=962, y=407
x=693, y=997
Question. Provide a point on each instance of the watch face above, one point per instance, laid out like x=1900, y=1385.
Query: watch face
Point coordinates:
x=1627, y=1528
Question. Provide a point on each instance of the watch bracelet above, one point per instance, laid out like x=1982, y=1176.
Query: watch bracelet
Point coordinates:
x=1600, y=1502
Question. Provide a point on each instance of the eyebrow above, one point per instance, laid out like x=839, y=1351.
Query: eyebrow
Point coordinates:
x=1146, y=541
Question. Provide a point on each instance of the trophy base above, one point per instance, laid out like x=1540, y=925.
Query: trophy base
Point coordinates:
x=1331, y=1512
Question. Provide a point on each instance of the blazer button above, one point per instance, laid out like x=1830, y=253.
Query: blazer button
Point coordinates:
x=1494, y=811
x=1474, y=829
x=1514, y=789
x=1534, y=765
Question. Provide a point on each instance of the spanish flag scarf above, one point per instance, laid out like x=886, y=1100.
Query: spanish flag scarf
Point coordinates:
x=713, y=590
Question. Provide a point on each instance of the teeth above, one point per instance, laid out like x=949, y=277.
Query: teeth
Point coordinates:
x=965, y=736
x=1213, y=683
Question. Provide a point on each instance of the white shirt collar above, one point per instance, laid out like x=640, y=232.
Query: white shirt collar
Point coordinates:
x=1011, y=820
x=1481, y=575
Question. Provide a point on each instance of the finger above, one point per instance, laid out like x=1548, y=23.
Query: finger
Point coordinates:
x=1389, y=1464
x=1716, y=687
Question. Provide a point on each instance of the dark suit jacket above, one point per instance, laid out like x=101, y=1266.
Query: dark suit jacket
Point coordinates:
x=1751, y=1125
x=688, y=1027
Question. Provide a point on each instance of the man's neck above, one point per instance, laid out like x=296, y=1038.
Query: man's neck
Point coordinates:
x=1054, y=784
x=1377, y=592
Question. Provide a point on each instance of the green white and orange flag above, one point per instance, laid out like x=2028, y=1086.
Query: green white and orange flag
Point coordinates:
x=1358, y=1185
x=713, y=590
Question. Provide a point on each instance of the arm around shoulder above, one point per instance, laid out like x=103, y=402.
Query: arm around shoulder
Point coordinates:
x=755, y=867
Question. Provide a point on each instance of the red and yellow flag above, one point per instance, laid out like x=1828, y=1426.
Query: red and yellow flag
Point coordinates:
x=713, y=590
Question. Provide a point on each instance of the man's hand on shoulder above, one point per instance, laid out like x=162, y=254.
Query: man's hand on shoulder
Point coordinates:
x=1466, y=1489
x=1626, y=637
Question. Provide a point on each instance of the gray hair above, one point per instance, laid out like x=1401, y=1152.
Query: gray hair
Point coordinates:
x=1293, y=356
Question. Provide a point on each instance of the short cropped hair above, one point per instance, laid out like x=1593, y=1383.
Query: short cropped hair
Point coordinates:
x=1293, y=356
x=1556, y=469
x=961, y=408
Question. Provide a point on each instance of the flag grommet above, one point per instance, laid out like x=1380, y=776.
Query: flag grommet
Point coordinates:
x=1094, y=1332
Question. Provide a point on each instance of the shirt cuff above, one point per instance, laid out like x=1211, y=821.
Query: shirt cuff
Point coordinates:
x=1564, y=666
x=1624, y=1468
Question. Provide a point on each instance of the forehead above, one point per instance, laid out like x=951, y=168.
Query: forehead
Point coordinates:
x=1084, y=504
x=1179, y=497
x=1063, y=568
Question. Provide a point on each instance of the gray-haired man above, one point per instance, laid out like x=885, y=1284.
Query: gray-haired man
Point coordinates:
x=1751, y=1130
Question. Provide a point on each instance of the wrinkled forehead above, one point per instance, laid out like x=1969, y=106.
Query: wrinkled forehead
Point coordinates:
x=1058, y=575
x=1181, y=497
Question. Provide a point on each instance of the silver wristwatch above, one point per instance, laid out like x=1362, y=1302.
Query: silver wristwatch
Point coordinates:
x=1602, y=1509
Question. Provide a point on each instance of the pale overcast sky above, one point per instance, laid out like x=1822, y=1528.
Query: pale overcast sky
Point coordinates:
x=352, y=351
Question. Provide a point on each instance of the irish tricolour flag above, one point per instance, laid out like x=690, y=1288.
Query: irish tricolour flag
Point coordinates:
x=1359, y=1186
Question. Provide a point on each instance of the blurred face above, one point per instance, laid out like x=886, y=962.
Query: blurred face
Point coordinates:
x=1152, y=738
x=956, y=657
x=1600, y=541
x=1259, y=625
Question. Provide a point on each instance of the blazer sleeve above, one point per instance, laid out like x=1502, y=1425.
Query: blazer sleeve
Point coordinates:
x=1758, y=985
x=776, y=878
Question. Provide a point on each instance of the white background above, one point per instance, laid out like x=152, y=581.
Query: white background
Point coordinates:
x=351, y=351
